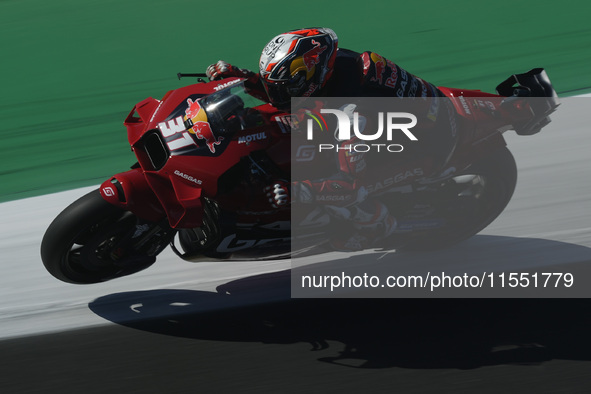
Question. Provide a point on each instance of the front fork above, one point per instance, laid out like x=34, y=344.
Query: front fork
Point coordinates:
x=150, y=233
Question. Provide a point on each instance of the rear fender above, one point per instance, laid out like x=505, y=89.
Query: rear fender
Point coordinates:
x=130, y=191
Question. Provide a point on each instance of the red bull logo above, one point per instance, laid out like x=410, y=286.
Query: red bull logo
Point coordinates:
x=197, y=119
x=193, y=110
x=202, y=131
x=312, y=57
x=380, y=68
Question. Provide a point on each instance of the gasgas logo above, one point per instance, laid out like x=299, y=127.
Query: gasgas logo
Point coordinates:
x=388, y=123
x=188, y=177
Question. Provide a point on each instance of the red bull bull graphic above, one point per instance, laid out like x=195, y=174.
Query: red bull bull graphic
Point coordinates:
x=202, y=131
x=196, y=120
x=380, y=68
x=312, y=57
x=193, y=110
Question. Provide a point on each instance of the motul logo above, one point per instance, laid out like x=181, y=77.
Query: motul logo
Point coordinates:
x=252, y=137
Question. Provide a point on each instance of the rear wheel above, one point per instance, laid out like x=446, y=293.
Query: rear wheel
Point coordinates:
x=463, y=205
x=92, y=241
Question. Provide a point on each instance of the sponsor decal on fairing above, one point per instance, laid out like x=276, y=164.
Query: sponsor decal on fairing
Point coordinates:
x=252, y=137
x=226, y=84
x=187, y=177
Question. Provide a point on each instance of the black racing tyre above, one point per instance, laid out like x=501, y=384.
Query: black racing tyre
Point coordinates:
x=470, y=202
x=78, y=245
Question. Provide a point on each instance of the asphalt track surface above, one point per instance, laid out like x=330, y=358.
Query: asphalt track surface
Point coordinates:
x=219, y=327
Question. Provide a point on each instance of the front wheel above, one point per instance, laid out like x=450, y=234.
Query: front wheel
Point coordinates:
x=93, y=241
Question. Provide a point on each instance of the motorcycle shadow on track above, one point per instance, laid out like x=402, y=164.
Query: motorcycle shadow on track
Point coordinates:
x=381, y=332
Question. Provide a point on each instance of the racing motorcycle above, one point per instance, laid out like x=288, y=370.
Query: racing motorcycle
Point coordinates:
x=205, y=153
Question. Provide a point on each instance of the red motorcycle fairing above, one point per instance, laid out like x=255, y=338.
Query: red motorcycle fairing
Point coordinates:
x=130, y=191
x=183, y=150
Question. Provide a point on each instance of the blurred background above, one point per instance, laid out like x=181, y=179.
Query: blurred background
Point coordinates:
x=72, y=70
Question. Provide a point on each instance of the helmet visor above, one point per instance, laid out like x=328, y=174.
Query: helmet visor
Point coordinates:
x=278, y=93
x=281, y=92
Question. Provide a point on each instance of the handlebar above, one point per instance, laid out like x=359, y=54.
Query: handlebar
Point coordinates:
x=194, y=75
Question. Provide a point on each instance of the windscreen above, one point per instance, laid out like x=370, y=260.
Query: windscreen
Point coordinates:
x=204, y=125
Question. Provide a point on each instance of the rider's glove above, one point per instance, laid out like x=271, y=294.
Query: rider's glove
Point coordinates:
x=278, y=194
x=221, y=70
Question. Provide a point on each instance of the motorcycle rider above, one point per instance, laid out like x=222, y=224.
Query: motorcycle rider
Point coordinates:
x=308, y=63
